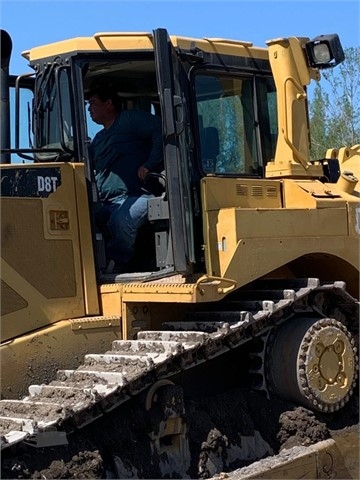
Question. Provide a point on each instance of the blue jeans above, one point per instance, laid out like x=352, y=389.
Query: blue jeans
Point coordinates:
x=124, y=215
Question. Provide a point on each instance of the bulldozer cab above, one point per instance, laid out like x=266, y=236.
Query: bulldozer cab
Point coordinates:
x=219, y=119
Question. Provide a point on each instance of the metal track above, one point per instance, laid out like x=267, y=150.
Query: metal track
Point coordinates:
x=78, y=397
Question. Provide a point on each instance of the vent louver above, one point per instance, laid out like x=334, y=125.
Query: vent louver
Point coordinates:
x=256, y=190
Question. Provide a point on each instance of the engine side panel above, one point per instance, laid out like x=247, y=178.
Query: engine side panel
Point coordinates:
x=266, y=226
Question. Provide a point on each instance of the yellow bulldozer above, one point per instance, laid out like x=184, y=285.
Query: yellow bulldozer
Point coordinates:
x=250, y=244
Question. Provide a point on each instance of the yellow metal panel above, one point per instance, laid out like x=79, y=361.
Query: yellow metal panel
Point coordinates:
x=142, y=41
x=221, y=46
x=136, y=316
x=354, y=220
x=347, y=442
x=204, y=289
x=38, y=310
x=49, y=290
x=244, y=243
x=87, y=248
x=311, y=194
x=254, y=258
x=158, y=292
x=240, y=192
x=322, y=460
x=291, y=75
x=115, y=42
x=295, y=223
x=88, y=323
x=110, y=298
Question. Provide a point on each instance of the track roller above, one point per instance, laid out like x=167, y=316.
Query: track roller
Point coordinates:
x=313, y=362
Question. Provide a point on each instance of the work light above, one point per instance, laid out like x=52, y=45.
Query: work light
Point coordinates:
x=324, y=51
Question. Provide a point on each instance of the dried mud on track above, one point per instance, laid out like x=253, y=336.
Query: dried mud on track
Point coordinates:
x=225, y=432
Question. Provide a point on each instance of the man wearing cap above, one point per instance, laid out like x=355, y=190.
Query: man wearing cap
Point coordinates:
x=123, y=152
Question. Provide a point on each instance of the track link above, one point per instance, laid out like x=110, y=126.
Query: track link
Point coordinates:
x=104, y=382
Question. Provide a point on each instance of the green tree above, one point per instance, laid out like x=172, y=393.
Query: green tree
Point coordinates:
x=335, y=107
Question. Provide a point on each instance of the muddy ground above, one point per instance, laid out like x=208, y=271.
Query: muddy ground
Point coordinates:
x=225, y=432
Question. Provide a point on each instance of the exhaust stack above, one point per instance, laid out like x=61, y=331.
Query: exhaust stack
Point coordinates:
x=6, y=47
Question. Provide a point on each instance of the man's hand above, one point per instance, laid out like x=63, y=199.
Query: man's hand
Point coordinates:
x=142, y=172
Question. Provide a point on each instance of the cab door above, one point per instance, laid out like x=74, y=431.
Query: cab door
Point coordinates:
x=172, y=81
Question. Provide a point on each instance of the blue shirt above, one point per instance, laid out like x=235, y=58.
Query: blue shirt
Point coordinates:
x=134, y=139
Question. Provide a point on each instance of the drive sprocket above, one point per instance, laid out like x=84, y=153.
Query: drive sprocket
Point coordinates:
x=313, y=362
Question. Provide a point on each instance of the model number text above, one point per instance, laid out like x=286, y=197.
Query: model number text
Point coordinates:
x=46, y=184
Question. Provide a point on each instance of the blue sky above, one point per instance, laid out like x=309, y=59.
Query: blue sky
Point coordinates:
x=33, y=23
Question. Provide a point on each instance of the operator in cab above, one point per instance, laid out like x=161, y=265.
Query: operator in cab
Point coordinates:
x=128, y=147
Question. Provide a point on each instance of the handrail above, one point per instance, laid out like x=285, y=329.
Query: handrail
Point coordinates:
x=221, y=280
x=98, y=35
x=300, y=96
x=227, y=41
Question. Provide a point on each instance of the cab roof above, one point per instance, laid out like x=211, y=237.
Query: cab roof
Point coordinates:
x=141, y=41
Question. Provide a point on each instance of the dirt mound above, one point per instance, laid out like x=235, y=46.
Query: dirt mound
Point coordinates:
x=300, y=427
x=224, y=432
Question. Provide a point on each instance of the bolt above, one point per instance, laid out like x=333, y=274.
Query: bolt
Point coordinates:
x=338, y=347
x=321, y=383
x=319, y=349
